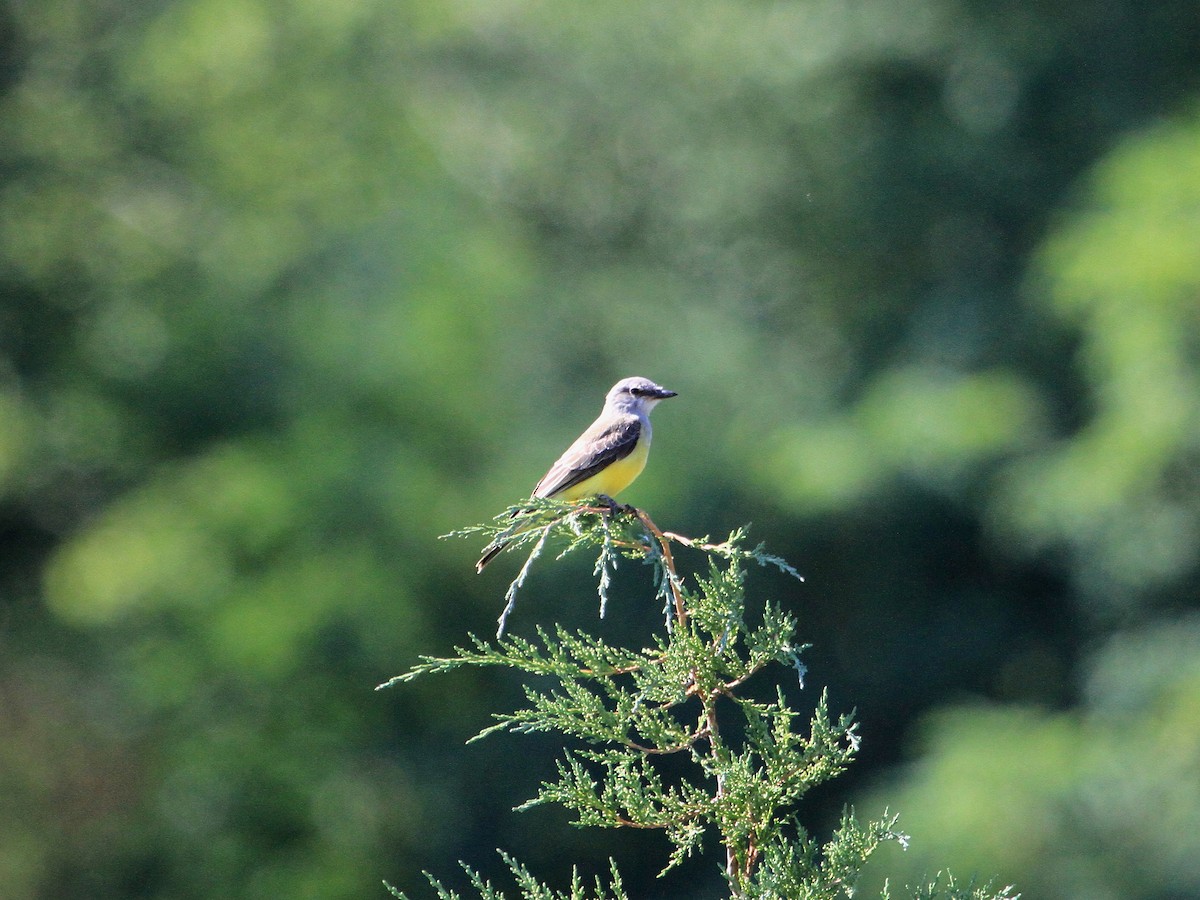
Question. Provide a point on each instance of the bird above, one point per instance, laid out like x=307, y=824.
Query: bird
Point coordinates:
x=608, y=456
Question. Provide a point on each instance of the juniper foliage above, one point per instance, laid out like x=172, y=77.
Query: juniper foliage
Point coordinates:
x=685, y=694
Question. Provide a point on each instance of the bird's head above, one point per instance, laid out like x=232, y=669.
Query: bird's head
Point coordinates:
x=637, y=393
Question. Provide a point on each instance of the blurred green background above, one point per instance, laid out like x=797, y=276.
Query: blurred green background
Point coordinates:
x=291, y=287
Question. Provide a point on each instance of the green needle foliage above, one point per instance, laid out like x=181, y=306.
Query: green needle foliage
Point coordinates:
x=687, y=695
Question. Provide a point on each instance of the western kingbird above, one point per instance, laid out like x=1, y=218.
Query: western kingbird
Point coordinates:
x=606, y=458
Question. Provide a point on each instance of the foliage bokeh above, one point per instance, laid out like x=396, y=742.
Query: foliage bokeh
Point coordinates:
x=290, y=288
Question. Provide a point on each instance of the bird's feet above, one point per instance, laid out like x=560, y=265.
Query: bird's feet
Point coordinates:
x=614, y=508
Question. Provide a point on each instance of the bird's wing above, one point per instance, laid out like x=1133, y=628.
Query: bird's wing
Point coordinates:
x=595, y=450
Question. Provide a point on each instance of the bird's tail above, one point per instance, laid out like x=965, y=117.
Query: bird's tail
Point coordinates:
x=516, y=529
x=489, y=554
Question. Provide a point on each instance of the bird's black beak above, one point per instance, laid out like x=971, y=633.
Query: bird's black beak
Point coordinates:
x=663, y=394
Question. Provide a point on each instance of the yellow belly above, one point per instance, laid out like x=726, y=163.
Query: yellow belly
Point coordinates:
x=612, y=480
